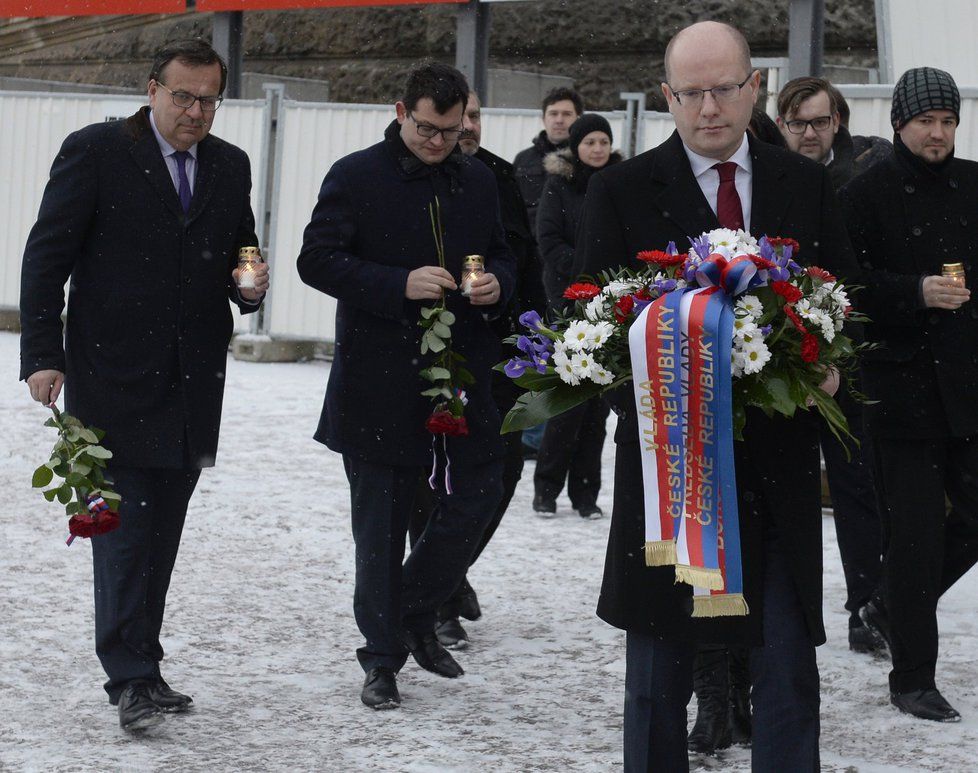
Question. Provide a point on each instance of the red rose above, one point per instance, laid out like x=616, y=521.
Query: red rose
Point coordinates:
x=582, y=291
x=623, y=307
x=91, y=525
x=660, y=258
x=787, y=291
x=820, y=273
x=443, y=423
x=795, y=319
x=809, y=348
x=778, y=241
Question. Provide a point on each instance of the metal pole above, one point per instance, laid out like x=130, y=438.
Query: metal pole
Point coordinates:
x=227, y=36
x=472, y=25
x=806, y=37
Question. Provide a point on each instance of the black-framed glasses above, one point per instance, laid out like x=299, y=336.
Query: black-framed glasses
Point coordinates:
x=185, y=100
x=726, y=93
x=798, y=126
x=428, y=131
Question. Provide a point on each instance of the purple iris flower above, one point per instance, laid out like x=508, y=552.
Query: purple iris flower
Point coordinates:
x=766, y=330
x=665, y=286
x=533, y=345
x=701, y=246
x=515, y=367
x=766, y=251
x=778, y=274
x=671, y=248
x=531, y=319
x=640, y=304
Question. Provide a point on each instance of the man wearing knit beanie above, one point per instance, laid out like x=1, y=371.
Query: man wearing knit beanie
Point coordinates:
x=909, y=216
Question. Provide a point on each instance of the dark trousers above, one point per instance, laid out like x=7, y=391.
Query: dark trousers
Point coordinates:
x=927, y=548
x=132, y=567
x=854, y=506
x=571, y=450
x=390, y=597
x=784, y=688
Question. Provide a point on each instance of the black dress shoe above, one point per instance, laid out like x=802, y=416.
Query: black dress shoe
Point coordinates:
x=136, y=709
x=380, y=689
x=925, y=704
x=874, y=617
x=431, y=655
x=451, y=634
x=544, y=505
x=590, y=512
x=711, y=731
x=864, y=639
x=168, y=699
x=468, y=602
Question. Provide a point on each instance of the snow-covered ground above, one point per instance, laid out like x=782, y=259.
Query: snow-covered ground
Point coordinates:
x=260, y=629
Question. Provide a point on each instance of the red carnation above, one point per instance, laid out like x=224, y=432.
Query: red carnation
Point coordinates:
x=644, y=294
x=809, y=348
x=90, y=525
x=795, y=319
x=778, y=241
x=443, y=423
x=660, y=258
x=582, y=291
x=623, y=307
x=761, y=263
x=787, y=291
x=820, y=273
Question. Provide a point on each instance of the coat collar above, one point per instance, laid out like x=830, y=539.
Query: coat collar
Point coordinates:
x=146, y=153
x=413, y=168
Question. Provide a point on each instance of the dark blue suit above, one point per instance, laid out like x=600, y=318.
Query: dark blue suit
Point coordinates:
x=369, y=230
x=145, y=348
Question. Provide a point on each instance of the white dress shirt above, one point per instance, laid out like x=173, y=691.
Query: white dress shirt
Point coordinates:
x=708, y=178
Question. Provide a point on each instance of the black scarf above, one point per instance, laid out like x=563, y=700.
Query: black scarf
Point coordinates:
x=920, y=170
x=414, y=167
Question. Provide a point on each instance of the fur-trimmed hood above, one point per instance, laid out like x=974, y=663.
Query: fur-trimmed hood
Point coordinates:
x=562, y=162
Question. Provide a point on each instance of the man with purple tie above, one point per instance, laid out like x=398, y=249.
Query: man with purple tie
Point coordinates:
x=145, y=217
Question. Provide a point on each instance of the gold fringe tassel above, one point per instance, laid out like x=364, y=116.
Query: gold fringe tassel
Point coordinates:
x=724, y=605
x=662, y=553
x=699, y=577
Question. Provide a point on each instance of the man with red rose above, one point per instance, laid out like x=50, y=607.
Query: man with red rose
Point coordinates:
x=146, y=217
x=711, y=174
x=373, y=244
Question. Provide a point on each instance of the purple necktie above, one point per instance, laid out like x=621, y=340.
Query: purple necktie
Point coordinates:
x=729, y=212
x=181, y=156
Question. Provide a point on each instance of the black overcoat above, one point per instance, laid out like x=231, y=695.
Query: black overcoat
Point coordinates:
x=642, y=204
x=369, y=230
x=148, y=324
x=906, y=218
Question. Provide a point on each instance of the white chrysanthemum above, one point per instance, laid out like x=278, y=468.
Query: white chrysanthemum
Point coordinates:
x=723, y=237
x=601, y=376
x=840, y=298
x=756, y=355
x=582, y=364
x=598, y=334
x=744, y=326
x=620, y=287
x=749, y=304
x=736, y=363
x=576, y=334
x=563, y=368
x=746, y=244
x=596, y=309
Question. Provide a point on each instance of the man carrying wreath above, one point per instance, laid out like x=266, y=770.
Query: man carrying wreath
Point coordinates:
x=387, y=239
x=711, y=174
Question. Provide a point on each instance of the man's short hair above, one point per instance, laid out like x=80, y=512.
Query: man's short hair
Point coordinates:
x=736, y=34
x=560, y=94
x=192, y=52
x=798, y=90
x=442, y=84
x=840, y=104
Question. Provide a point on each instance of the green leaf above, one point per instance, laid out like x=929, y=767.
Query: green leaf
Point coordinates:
x=51, y=422
x=111, y=496
x=76, y=479
x=88, y=436
x=534, y=408
x=424, y=344
x=81, y=468
x=441, y=330
x=427, y=312
x=436, y=344
x=42, y=476
x=439, y=373
x=433, y=392
x=98, y=452
x=75, y=508
x=781, y=396
x=50, y=494
x=446, y=317
x=64, y=493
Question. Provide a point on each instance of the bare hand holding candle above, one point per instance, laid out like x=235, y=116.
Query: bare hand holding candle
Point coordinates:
x=249, y=258
x=472, y=269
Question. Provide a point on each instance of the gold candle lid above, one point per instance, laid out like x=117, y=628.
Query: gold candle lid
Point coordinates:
x=953, y=268
x=474, y=261
x=250, y=254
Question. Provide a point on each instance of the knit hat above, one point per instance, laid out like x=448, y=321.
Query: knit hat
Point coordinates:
x=583, y=126
x=922, y=89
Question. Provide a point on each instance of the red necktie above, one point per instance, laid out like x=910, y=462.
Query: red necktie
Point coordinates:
x=729, y=212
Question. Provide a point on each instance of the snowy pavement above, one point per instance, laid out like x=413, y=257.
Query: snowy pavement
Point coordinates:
x=260, y=629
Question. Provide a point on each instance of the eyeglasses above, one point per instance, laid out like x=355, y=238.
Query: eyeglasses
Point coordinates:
x=819, y=124
x=186, y=101
x=727, y=93
x=428, y=131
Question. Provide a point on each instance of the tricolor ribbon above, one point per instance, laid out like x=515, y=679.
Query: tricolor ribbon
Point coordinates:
x=680, y=349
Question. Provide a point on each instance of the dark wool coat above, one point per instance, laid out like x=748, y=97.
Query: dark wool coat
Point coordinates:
x=642, y=204
x=369, y=230
x=148, y=321
x=854, y=155
x=530, y=174
x=906, y=218
x=558, y=216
